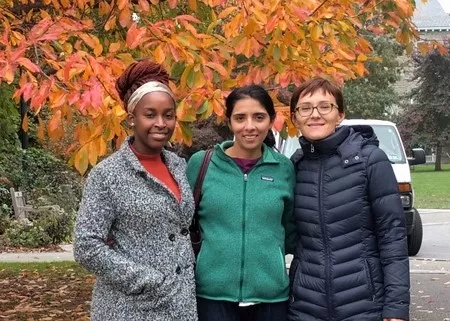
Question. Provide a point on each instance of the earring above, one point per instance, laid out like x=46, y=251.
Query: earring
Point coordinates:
x=131, y=124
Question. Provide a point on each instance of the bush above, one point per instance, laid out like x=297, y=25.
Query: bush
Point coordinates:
x=56, y=223
x=5, y=217
x=26, y=234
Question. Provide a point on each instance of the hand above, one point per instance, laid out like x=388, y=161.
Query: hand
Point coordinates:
x=392, y=319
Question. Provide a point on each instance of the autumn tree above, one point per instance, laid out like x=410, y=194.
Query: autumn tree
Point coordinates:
x=64, y=56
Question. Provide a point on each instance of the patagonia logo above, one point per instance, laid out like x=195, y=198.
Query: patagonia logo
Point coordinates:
x=267, y=178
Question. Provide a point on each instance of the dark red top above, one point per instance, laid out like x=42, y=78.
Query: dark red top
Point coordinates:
x=246, y=165
x=156, y=167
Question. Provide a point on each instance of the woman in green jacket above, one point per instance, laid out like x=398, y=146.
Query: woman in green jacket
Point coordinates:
x=245, y=214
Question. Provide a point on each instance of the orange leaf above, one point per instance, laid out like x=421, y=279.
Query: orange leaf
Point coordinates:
x=40, y=130
x=121, y=4
x=135, y=36
x=271, y=24
x=172, y=3
x=145, y=6
x=125, y=17
x=88, y=39
x=25, y=62
x=111, y=23
x=55, y=122
x=65, y=3
x=25, y=123
x=114, y=47
x=349, y=55
x=159, y=55
x=218, y=67
x=360, y=69
x=98, y=49
x=217, y=107
x=279, y=121
x=193, y=5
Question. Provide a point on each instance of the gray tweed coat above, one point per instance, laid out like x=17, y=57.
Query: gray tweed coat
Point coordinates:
x=148, y=271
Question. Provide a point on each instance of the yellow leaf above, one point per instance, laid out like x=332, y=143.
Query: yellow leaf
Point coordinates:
x=126, y=58
x=93, y=153
x=424, y=47
x=159, y=55
x=81, y=160
x=316, y=32
x=225, y=13
x=361, y=58
x=101, y=146
x=114, y=47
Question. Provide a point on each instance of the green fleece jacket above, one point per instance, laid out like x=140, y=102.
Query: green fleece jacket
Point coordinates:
x=246, y=220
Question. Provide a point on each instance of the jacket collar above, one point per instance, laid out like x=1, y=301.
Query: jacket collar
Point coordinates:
x=326, y=146
x=347, y=142
x=125, y=151
x=267, y=154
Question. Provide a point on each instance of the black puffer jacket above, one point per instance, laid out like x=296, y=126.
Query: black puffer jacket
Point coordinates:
x=351, y=262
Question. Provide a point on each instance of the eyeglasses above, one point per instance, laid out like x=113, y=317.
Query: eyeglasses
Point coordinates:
x=306, y=109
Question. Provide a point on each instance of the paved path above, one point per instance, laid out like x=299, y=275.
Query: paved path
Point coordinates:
x=66, y=255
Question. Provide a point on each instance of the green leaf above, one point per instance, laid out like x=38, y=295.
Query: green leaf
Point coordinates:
x=203, y=107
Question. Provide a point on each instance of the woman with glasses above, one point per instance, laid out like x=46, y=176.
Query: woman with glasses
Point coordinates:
x=351, y=261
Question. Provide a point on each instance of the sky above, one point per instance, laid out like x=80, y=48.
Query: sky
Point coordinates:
x=446, y=5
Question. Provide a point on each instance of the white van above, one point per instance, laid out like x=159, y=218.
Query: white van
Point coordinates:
x=391, y=144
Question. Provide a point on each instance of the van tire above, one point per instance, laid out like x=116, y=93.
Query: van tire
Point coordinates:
x=415, y=238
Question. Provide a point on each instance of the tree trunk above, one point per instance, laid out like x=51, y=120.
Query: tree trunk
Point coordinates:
x=437, y=164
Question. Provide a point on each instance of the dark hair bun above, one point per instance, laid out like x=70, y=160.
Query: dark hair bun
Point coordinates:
x=136, y=75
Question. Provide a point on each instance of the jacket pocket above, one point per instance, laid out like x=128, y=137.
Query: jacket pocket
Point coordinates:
x=369, y=279
x=283, y=264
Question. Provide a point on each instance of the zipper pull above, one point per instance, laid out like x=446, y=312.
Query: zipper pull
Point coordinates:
x=312, y=148
x=245, y=177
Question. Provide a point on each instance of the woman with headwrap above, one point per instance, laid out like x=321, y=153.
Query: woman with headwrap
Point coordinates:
x=139, y=197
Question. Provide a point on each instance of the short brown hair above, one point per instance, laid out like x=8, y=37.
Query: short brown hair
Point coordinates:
x=313, y=85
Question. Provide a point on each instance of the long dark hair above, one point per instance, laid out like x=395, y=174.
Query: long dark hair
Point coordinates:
x=259, y=94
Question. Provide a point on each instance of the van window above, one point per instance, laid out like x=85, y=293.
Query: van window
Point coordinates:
x=390, y=143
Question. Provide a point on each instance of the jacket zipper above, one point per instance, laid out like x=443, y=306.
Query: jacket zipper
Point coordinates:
x=325, y=242
x=369, y=279
x=241, y=282
x=312, y=148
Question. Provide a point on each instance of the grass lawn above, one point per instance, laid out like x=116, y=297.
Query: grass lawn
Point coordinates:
x=432, y=189
x=44, y=291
